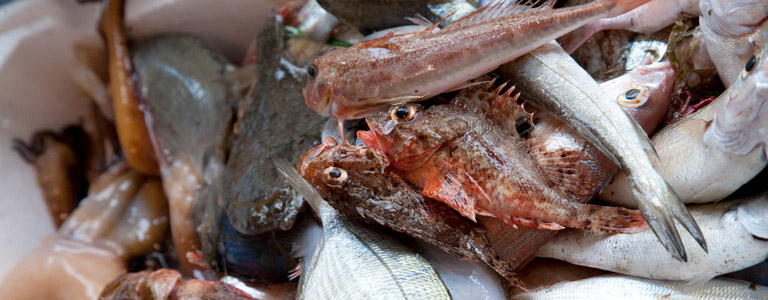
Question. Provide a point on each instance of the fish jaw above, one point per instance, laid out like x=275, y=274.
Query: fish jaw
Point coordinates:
x=317, y=95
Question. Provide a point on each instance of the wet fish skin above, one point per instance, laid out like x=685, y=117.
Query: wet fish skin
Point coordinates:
x=481, y=170
x=654, y=83
x=628, y=287
x=732, y=31
x=372, y=264
x=372, y=193
x=256, y=199
x=559, y=85
x=355, y=82
x=730, y=233
x=693, y=154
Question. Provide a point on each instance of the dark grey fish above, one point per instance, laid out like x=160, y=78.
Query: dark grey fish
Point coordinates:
x=276, y=124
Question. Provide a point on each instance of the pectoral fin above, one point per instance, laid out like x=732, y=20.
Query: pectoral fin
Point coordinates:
x=453, y=186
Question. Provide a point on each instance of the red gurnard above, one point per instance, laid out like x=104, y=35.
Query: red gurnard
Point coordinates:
x=359, y=81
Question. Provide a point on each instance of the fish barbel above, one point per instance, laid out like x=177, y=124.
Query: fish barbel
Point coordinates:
x=353, y=261
x=355, y=82
x=555, y=82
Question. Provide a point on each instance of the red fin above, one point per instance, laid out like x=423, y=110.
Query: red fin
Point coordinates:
x=611, y=219
x=454, y=187
x=514, y=221
x=571, y=170
x=500, y=8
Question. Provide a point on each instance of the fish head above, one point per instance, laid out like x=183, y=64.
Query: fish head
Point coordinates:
x=644, y=93
x=319, y=92
x=409, y=134
x=748, y=95
x=733, y=18
x=342, y=173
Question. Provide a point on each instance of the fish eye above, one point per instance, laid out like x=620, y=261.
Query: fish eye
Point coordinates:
x=750, y=63
x=634, y=97
x=312, y=71
x=402, y=113
x=335, y=175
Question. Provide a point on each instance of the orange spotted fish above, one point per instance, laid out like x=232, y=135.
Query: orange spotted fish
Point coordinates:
x=459, y=156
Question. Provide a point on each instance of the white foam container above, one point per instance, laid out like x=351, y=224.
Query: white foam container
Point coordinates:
x=37, y=90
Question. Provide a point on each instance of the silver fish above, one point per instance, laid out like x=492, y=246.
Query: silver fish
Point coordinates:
x=706, y=161
x=554, y=81
x=628, y=287
x=356, y=262
x=734, y=230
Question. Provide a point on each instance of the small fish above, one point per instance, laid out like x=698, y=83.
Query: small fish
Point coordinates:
x=457, y=156
x=358, y=81
x=555, y=82
x=732, y=31
x=712, y=152
x=628, y=287
x=647, y=18
x=356, y=262
x=736, y=232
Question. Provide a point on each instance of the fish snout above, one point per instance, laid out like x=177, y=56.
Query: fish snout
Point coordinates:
x=317, y=95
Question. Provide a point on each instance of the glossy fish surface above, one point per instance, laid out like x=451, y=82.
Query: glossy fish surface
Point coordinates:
x=354, y=261
x=733, y=229
x=457, y=156
x=355, y=82
x=554, y=81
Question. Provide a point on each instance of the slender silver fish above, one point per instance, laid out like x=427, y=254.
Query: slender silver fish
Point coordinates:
x=706, y=161
x=357, y=262
x=735, y=230
x=628, y=287
x=555, y=82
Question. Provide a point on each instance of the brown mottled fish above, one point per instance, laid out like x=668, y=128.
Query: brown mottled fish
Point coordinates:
x=356, y=181
x=366, y=78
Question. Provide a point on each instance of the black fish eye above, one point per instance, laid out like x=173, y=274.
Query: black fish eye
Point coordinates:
x=335, y=175
x=750, y=63
x=632, y=94
x=402, y=113
x=312, y=71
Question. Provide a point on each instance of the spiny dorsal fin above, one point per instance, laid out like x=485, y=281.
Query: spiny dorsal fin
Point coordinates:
x=500, y=8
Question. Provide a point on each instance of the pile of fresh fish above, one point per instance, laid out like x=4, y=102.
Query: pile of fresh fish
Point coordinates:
x=447, y=149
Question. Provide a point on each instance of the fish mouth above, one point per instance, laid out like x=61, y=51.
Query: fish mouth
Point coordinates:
x=320, y=103
x=312, y=155
x=372, y=140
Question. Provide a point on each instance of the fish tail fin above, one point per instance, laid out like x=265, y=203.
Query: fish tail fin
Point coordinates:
x=610, y=219
x=660, y=212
